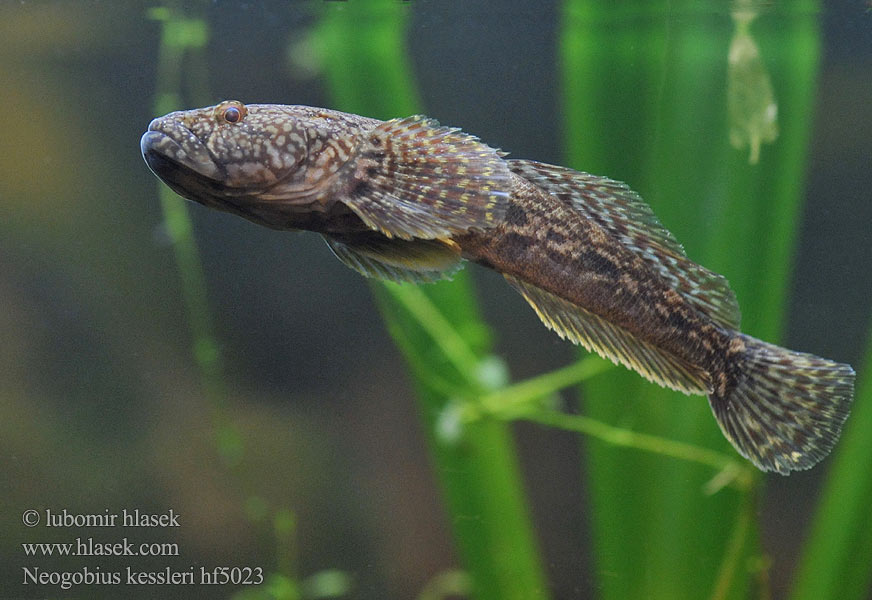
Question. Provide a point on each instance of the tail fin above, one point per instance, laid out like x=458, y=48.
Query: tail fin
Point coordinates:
x=785, y=412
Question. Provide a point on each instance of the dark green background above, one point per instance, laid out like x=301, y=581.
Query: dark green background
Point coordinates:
x=101, y=404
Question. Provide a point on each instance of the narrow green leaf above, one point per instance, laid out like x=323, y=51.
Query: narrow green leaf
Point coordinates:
x=184, y=37
x=646, y=102
x=439, y=330
x=837, y=560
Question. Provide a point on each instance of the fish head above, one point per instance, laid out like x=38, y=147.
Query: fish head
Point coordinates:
x=266, y=162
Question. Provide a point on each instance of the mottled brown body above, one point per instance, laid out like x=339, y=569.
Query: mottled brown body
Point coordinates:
x=547, y=244
x=407, y=199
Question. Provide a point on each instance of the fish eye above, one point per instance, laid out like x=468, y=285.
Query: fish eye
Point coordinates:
x=231, y=112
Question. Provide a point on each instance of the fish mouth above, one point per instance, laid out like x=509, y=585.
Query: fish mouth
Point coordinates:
x=169, y=145
x=183, y=162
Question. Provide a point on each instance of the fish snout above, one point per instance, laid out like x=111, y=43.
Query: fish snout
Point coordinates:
x=168, y=144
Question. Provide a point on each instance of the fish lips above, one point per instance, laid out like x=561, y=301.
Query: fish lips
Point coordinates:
x=176, y=156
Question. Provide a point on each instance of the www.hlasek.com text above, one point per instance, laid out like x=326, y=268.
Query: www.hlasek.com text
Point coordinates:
x=89, y=547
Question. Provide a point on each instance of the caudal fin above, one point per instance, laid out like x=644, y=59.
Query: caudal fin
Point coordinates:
x=786, y=410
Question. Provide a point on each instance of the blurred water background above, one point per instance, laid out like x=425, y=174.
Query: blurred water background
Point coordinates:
x=314, y=462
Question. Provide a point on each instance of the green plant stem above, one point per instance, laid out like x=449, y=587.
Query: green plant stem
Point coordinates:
x=523, y=400
x=734, y=472
x=181, y=35
x=183, y=42
x=524, y=397
x=735, y=550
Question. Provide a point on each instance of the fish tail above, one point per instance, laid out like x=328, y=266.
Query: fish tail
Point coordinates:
x=784, y=410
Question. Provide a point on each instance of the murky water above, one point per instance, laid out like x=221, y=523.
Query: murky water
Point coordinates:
x=289, y=440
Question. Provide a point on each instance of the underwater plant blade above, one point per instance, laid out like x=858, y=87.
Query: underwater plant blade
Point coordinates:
x=837, y=559
x=478, y=470
x=599, y=126
x=660, y=128
x=368, y=72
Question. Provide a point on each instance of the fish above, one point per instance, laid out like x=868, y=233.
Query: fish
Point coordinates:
x=410, y=200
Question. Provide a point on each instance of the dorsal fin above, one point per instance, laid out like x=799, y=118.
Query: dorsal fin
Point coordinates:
x=412, y=178
x=620, y=211
x=611, y=341
x=416, y=261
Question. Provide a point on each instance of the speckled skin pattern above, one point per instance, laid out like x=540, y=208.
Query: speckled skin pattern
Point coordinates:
x=405, y=199
x=544, y=242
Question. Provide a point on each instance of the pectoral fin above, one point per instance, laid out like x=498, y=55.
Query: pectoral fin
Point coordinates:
x=412, y=178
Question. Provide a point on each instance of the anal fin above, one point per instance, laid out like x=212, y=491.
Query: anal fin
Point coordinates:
x=611, y=341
